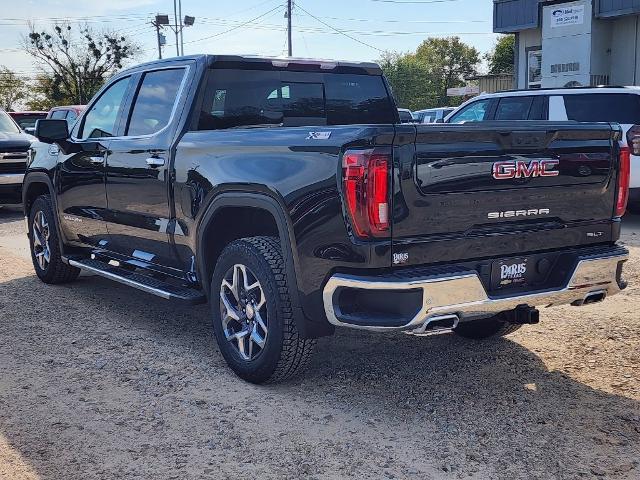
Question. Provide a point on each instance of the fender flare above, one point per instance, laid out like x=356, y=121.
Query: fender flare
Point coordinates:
x=41, y=177
x=283, y=222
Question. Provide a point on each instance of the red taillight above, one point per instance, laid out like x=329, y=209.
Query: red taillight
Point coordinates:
x=633, y=139
x=365, y=177
x=624, y=174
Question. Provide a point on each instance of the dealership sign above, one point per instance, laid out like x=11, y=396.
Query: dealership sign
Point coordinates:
x=562, y=16
x=463, y=91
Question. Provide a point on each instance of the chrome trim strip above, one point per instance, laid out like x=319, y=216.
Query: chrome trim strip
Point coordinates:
x=123, y=280
x=11, y=178
x=465, y=296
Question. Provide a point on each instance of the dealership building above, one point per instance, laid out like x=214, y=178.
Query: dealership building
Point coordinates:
x=572, y=43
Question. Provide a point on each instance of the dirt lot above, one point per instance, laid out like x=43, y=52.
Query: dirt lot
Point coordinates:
x=99, y=381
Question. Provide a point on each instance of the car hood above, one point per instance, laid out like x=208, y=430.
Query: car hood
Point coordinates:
x=15, y=141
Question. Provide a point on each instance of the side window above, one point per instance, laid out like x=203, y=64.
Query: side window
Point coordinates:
x=154, y=101
x=513, y=108
x=58, y=114
x=474, y=112
x=101, y=119
x=539, y=108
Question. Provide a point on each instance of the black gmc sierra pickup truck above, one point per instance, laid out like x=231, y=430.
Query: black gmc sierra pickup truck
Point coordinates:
x=288, y=195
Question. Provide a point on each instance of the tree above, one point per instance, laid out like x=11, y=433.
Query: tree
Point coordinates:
x=501, y=59
x=46, y=93
x=13, y=89
x=76, y=64
x=420, y=79
x=449, y=62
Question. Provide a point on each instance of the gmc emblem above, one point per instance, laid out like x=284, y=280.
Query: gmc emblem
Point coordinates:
x=522, y=169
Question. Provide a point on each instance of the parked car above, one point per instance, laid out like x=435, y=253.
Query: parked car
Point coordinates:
x=14, y=150
x=69, y=113
x=27, y=120
x=432, y=115
x=405, y=115
x=287, y=194
x=586, y=104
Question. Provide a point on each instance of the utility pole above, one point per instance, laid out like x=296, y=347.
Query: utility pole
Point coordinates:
x=157, y=25
x=177, y=29
x=181, y=26
x=289, y=5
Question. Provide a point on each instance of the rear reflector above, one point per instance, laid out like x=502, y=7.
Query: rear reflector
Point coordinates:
x=624, y=175
x=365, y=181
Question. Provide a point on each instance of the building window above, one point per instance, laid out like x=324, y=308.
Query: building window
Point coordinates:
x=534, y=68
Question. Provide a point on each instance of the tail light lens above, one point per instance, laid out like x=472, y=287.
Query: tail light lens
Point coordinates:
x=624, y=174
x=633, y=139
x=365, y=181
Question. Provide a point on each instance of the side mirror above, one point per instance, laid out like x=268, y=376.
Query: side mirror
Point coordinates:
x=52, y=130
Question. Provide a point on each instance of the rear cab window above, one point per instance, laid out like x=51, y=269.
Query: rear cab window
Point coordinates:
x=236, y=98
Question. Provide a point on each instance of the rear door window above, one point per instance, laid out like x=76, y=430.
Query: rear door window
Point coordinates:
x=154, y=101
x=513, y=108
x=539, y=108
x=621, y=108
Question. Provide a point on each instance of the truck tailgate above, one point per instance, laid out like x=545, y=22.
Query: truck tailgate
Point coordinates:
x=502, y=188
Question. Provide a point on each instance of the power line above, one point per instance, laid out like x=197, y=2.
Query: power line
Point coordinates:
x=339, y=31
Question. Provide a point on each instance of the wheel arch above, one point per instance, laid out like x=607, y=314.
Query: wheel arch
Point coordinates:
x=263, y=207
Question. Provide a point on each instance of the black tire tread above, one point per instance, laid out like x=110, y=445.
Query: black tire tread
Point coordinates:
x=58, y=272
x=296, y=351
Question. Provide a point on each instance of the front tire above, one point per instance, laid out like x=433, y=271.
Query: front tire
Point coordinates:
x=491, y=327
x=45, y=247
x=252, y=316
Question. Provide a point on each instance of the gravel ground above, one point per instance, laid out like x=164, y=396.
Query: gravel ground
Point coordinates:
x=98, y=381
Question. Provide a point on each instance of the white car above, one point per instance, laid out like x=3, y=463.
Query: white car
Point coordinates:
x=432, y=115
x=592, y=104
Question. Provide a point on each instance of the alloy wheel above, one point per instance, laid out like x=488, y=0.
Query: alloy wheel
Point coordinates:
x=243, y=310
x=40, y=240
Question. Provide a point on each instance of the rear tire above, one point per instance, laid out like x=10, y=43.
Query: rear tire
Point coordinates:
x=252, y=316
x=486, y=328
x=45, y=246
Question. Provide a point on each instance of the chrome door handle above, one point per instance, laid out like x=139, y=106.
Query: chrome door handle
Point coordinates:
x=97, y=160
x=155, y=162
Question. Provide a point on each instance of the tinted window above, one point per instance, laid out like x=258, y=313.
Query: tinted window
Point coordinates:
x=27, y=121
x=513, y=108
x=539, y=108
x=240, y=98
x=101, y=119
x=154, y=102
x=353, y=99
x=405, y=117
x=58, y=114
x=605, y=107
x=6, y=124
x=474, y=112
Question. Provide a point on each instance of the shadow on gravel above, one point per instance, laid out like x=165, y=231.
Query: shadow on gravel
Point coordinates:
x=10, y=213
x=99, y=381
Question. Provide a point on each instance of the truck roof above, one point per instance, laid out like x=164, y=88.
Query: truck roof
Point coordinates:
x=269, y=63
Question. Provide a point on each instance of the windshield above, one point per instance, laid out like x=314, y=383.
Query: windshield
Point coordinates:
x=7, y=125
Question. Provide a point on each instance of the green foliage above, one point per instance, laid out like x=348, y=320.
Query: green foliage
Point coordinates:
x=75, y=64
x=13, y=89
x=420, y=79
x=502, y=58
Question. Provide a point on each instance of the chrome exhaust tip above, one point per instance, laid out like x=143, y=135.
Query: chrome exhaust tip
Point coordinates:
x=591, y=297
x=437, y=325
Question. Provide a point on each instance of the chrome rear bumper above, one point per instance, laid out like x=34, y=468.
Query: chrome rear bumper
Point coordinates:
x=464, y=295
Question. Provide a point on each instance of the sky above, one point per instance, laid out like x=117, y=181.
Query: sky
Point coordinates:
x=335, y=29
